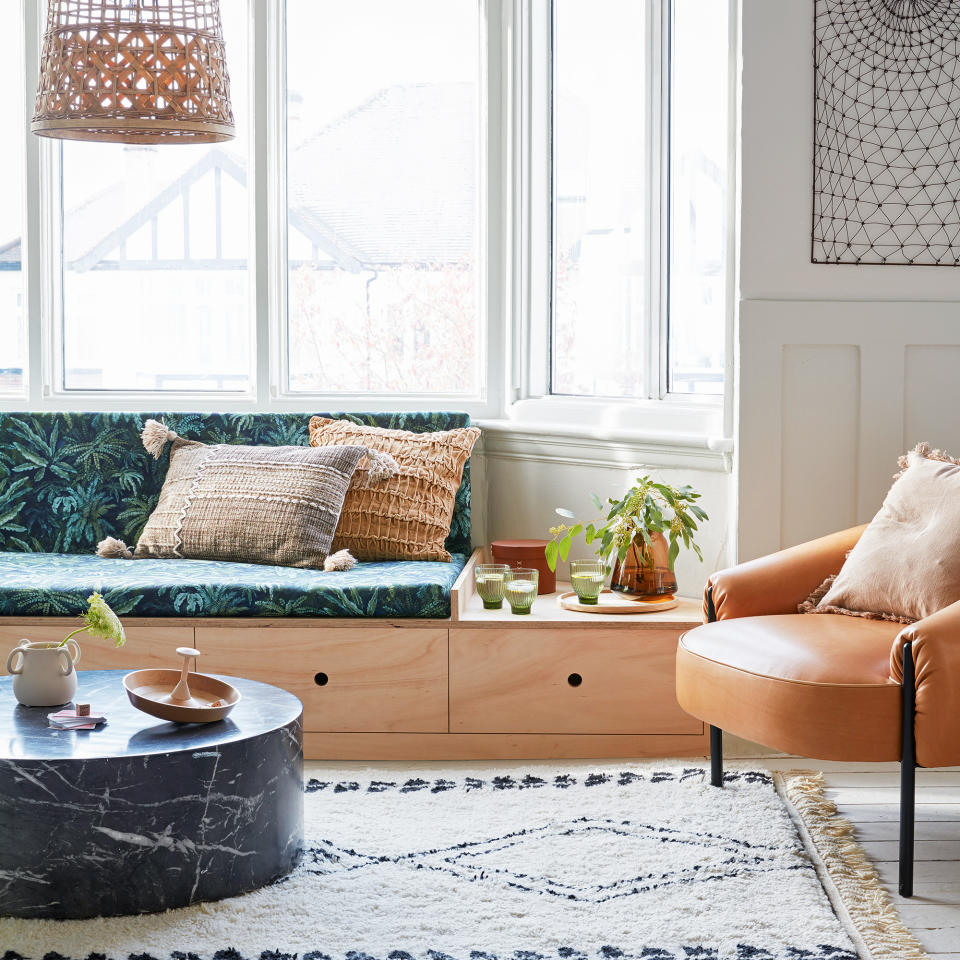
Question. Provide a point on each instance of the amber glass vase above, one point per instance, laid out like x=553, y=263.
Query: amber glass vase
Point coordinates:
x=645, y=570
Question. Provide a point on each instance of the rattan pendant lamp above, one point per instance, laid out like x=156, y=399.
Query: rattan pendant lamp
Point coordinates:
x=134, y=71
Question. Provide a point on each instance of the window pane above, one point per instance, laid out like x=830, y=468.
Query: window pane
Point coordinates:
x=155, y=287
x=12, y=328
x=600, y=176
x=382, y=121
x=698, y=181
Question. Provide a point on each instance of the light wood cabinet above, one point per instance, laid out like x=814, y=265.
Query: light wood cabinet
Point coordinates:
x=481, y=685
x=543, y=680
x=149, y=643
x=377, y=679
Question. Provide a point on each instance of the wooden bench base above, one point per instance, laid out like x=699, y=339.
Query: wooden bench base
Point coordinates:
x=481, y=685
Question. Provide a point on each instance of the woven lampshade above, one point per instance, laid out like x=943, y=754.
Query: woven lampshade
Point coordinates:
x=134, y=71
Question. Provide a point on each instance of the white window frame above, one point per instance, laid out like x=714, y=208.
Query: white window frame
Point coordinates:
x=513, y=266
x=660, y=414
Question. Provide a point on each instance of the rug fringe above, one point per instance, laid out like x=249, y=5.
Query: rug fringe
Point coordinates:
x=869, y=905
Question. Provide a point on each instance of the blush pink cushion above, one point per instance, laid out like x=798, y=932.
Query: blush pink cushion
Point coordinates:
x=906, y=565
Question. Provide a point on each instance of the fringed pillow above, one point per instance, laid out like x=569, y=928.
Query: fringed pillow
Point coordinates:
x=273, y=505
x=906, y=564
x=408, y=517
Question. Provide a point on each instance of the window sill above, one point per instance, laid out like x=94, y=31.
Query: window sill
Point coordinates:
x=597, y=445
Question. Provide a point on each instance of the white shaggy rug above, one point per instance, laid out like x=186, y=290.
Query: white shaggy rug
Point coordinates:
x=532, y=862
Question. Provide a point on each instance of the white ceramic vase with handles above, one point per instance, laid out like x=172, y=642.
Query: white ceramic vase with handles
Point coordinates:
x=43, y=673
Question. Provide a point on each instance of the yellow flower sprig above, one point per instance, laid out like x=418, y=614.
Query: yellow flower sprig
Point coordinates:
x=99, y=621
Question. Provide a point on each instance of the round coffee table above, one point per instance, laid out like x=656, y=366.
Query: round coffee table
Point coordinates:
x=140, y=815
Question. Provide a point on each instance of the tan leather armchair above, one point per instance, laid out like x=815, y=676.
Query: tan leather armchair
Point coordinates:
x=826, y=686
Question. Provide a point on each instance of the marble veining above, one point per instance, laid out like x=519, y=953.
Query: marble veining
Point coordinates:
x=140, y=815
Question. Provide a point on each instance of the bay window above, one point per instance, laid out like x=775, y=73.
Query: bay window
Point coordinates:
x=472, y=204
x=382, y=178
x=13, y=348
x=601, y=175
x=699, y=228
x=153, y=253
x=639, y=199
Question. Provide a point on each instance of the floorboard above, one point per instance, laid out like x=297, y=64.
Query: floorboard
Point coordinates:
x=868, y=795
x=888, y=850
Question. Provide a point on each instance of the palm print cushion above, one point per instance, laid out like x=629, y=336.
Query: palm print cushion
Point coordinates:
x=67, y=480
x=57, y=585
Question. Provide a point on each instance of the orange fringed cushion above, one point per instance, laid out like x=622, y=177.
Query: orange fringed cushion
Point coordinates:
x=407, y=517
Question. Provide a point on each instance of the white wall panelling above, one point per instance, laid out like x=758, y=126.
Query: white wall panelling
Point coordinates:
x=818, y=381
x=927, y=412
x=831, y=393
x=841, y=367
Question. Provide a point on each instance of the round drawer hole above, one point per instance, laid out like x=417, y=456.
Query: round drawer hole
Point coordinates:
x=321, y=679
x=574, y=679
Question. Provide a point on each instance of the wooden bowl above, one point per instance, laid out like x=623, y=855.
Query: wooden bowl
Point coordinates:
x=148, y=691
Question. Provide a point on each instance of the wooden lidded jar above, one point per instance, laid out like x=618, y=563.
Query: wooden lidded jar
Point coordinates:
x=526, y=553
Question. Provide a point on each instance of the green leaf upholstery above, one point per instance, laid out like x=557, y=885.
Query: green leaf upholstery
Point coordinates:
x=67, y=480
x=58, y=584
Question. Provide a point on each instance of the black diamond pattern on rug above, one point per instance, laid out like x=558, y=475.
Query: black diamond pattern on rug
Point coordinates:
x=506, y=860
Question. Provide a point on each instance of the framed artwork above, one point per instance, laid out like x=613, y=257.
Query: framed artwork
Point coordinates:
x=886, y=159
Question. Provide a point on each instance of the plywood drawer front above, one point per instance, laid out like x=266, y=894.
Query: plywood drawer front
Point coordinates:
x=145, y=646
x=375, y=679
x=526, y=681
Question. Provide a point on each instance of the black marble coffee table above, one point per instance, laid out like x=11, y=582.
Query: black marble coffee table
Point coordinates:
x=141, y=815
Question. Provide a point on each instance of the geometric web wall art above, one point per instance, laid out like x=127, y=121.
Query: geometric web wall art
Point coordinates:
x=886, y=177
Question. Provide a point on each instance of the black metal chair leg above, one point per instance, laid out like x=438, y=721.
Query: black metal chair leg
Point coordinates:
x=716, y=734
x=908, y=772
x=716, y=756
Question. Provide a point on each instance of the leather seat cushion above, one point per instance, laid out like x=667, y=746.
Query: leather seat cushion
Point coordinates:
x=816, y=686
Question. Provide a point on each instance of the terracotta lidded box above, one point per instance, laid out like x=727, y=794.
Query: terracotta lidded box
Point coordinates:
x=526, y=553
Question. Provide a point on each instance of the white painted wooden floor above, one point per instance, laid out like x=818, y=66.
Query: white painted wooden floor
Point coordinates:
x=868, y=796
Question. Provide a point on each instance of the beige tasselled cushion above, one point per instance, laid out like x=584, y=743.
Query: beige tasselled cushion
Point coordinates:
x=407, y=517
x=273, y=505
x=906, y=564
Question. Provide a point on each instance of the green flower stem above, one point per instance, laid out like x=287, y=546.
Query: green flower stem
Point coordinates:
x=75, y=632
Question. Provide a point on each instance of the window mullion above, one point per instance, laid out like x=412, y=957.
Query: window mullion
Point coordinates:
x=268, y=182
x=38, y=249
x=532, y=206
x=48, y=333
x=658, y=202
x=495, y=221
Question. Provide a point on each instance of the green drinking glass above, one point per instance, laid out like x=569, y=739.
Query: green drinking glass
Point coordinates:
x=521, y=588
x=490, y=580
x=587, y=578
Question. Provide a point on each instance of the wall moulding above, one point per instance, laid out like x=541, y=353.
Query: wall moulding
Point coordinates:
x=831, y=393
x=582, y=446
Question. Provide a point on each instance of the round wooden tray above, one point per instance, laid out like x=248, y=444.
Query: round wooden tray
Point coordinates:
x=611, y=601
x=149, y=691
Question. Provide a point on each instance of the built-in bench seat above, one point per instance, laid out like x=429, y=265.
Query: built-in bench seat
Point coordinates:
x=67, y=480
x=57, y=584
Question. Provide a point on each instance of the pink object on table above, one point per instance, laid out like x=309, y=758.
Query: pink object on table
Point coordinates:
x=72, y=715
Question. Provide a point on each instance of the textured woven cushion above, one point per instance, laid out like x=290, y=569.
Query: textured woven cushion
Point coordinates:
x=57, y=585
x=906, y=564
x=275, y=505
x=407, y=517
x=68, y=480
